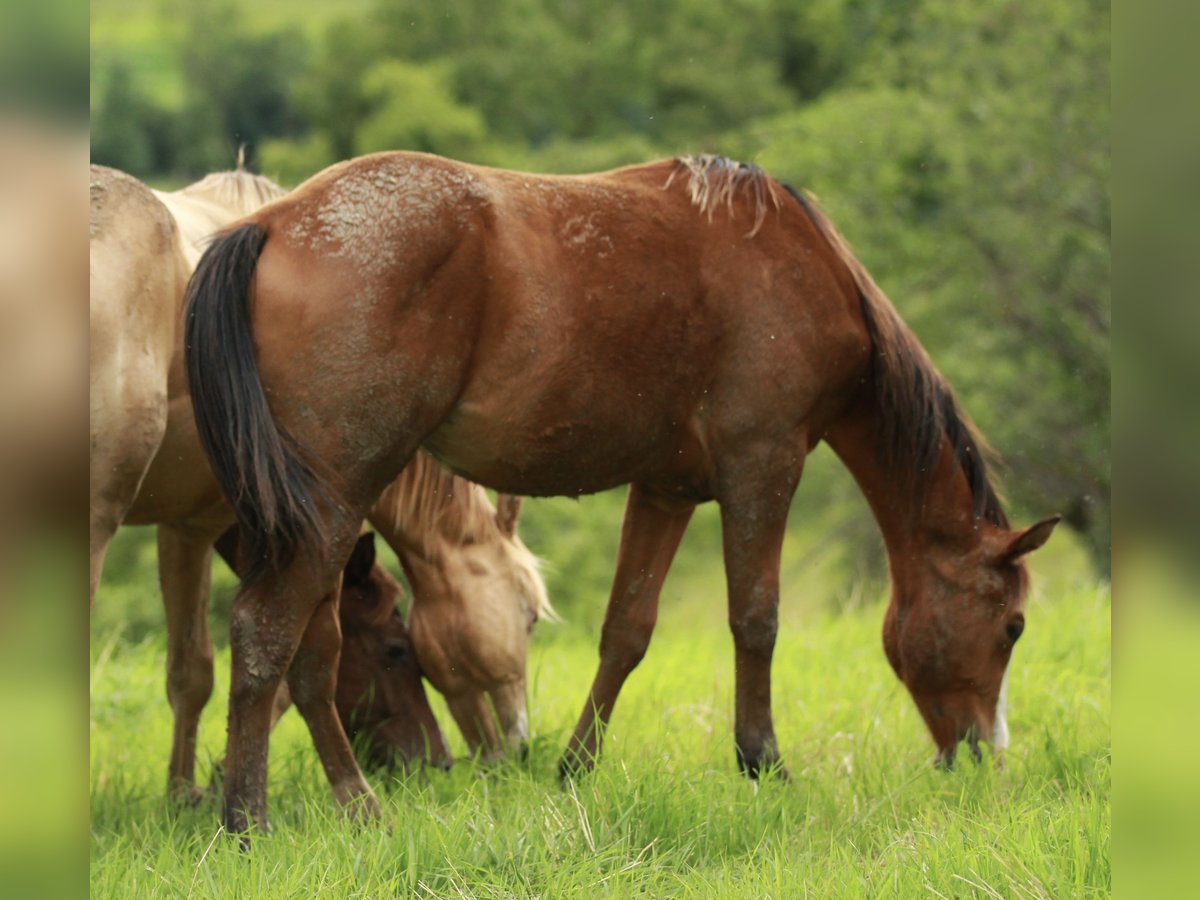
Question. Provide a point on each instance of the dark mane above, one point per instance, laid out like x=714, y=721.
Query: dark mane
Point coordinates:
x=917, y=405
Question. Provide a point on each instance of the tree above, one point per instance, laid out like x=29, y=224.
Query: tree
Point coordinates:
x=967, y=159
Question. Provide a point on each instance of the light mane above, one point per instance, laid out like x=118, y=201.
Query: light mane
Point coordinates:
x=716, y=181
x=239, y=191
x=451, y=511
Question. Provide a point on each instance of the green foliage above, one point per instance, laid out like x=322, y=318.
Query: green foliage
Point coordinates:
x=962, y=148
x=414, y=107
x=131, y=132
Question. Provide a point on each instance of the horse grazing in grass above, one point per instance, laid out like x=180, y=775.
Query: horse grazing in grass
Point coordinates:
x=690, y=327
x=148, y=468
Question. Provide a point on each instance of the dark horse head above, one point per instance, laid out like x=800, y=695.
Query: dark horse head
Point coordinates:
x=380, y=695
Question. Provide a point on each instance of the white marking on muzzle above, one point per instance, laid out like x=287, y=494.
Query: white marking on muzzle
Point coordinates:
x=1000, y=728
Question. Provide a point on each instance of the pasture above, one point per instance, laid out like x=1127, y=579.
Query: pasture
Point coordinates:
x=665, y=813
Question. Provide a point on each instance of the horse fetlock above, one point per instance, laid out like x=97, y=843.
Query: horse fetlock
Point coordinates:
x=357, y=800
x=190, y=684
x=575, y=762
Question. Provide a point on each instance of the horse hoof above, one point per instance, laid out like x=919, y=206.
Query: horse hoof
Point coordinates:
x=571, y=767
x=184, y=792
x=363, y=810
x=754, y=767
x=187, y=795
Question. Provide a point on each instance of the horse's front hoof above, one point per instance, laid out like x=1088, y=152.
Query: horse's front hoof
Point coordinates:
x=186, y=795
x=754, y=766
x=572, y=766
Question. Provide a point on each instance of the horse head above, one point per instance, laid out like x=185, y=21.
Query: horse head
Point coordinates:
x=950, y=630
x=380, y=696
x=477, y=596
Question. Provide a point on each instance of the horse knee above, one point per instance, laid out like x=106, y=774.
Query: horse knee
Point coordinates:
x=625, y=646
x=190, y=681
x=755, y=627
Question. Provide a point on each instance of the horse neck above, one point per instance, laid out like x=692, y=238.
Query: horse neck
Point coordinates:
x=917, y=521
x=427, y=511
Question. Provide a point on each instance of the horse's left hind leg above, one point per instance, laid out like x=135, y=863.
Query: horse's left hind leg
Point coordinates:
x=269, y=622
x=312, y=680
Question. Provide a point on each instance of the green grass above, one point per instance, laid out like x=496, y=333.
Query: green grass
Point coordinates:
x=665, y=813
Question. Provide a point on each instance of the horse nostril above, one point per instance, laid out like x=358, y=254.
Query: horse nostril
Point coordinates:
x=1015, y=628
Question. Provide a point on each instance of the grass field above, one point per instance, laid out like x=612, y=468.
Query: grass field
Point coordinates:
x=665, y=813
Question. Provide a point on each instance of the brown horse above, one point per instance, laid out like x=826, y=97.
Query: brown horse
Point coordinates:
x=690, y=327
x=149, y=469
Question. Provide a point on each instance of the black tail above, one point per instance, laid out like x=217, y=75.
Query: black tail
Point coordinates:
x=274, y=491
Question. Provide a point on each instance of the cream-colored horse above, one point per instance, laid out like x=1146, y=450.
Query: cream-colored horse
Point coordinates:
x=476, y=589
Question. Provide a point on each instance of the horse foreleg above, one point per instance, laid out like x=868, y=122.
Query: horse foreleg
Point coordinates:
x=312, y=680
x=184, y=564
x=752, y=534
x=650, y=536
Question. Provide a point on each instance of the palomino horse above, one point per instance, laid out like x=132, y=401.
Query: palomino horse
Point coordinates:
x=477, y=571
x=687, y=326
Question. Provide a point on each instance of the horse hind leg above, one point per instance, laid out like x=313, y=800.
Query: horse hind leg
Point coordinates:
x=184, y=564
x=312, y=681
x=650, y=536
x=268, y=621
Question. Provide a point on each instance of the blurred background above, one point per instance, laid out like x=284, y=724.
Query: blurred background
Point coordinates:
x=961, y=146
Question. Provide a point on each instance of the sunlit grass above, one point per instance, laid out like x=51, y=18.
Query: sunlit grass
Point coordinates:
x=665, y=813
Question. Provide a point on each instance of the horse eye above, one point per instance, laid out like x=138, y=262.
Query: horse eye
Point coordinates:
x=396, y=652
x=1015, y=628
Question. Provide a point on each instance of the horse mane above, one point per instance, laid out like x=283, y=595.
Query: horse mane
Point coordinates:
x=917, y=405
x=715, y=181
x=239, y=191
x=449, y=509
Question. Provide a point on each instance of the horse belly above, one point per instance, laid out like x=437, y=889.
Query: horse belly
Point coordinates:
x=564, y=450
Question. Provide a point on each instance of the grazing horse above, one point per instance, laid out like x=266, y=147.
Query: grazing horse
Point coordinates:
x=477, y=593
x=144, y=244
x=689, y=326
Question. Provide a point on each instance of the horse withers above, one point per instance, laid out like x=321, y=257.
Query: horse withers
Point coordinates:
x=689, y=326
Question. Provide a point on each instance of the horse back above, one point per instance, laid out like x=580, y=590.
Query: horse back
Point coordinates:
x=547, y=334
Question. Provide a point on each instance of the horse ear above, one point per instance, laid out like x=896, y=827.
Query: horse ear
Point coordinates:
x=362, y=558
x=508, y=508
x=1018, y=543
